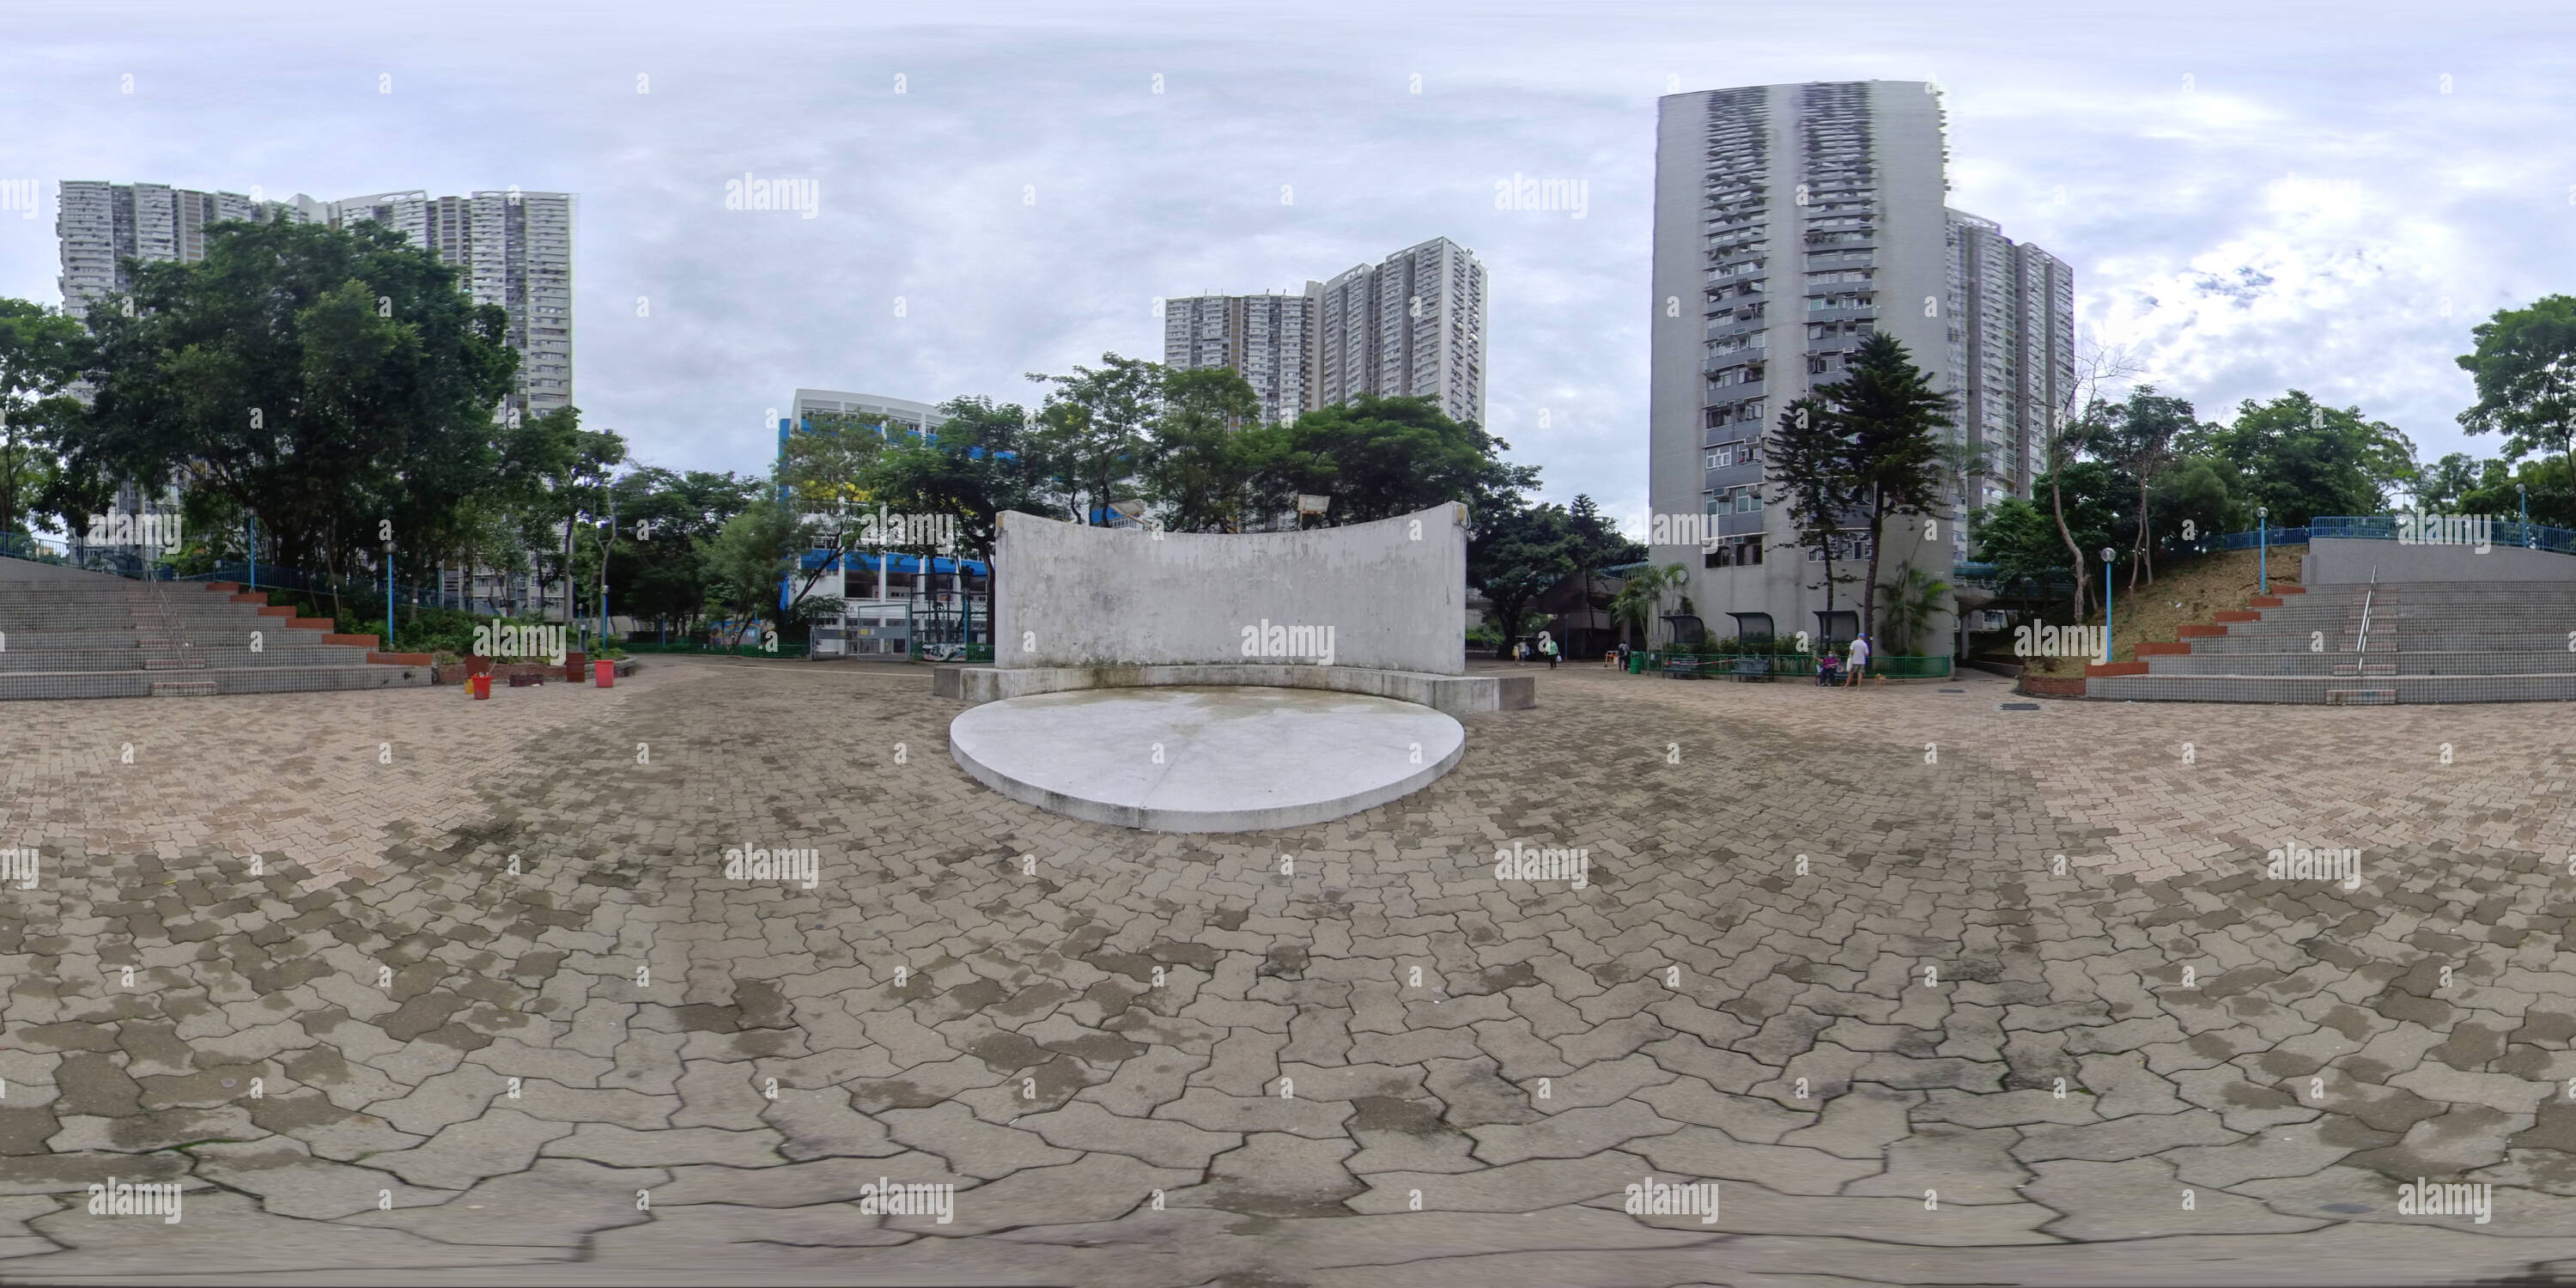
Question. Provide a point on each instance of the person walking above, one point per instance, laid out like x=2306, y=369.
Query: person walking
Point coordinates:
x=1859, y=666
x=1547, y=649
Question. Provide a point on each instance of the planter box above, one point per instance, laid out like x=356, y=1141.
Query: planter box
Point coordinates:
x=2107, y=669
x=2049, y=686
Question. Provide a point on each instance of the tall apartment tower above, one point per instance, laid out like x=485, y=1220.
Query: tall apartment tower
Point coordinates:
x=515, y=250
x=1412, y=325
x=2013, y=347
x=101, y=225
x=1791, y=223
x=1269, y=339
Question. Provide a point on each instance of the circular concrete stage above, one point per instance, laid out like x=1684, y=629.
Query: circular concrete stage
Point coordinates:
x=1231, y=759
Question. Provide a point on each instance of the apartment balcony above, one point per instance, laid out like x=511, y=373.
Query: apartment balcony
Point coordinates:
x=1726, y=476
x=1843, y=313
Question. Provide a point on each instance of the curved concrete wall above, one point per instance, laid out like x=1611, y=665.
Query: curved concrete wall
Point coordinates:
x=1390, y=595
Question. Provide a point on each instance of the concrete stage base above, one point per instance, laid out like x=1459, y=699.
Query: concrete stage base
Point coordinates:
x=1458, y=695
x=1231, y=759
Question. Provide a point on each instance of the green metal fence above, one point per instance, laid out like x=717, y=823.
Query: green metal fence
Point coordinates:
x=722, y=650
x=1720, y=666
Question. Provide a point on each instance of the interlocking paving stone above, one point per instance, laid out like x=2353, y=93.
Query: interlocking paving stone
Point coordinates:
x=386, y=975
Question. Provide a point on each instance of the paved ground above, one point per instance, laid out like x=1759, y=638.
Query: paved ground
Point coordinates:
x=1294, y=1039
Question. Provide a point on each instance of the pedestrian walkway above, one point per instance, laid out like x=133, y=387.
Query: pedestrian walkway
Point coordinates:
x=544, y=989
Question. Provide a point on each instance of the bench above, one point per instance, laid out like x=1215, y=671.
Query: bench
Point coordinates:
x=1752, y=668
x=1687, y=667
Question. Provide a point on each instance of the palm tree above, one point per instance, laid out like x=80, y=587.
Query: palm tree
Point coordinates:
x=1913, y=600
x=1641, y=597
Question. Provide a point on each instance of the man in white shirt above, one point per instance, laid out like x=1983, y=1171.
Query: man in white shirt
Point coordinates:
x=1859, y=665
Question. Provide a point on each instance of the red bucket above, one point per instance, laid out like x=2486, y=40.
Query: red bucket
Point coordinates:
x=604, y=673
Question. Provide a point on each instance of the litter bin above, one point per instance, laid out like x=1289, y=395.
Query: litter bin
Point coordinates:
x=479, y=687
x=604, y=673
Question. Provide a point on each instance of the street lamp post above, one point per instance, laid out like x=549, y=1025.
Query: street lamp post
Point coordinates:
x=2263, y=549
x=2525, y=497
x=389, y=597
x=2107, y=653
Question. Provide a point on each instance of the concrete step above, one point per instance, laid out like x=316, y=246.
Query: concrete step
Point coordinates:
x=2402, y=689
x=38, y=685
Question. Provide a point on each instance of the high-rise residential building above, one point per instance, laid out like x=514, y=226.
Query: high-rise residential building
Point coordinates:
x=2012, y=343
x=515, y=250
x=101, y=225
x=1269, y=339
x=1412, y=325
x=1791, y=223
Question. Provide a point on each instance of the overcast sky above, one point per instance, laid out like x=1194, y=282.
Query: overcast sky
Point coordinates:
x=2255, y=195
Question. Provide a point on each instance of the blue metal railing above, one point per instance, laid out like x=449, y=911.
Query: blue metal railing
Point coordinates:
x=121, y=563
x=2383, y=527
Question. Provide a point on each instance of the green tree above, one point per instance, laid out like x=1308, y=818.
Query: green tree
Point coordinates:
x=2523, y=364
x=2544, y=485
x=2302, y=459
x=1593, y=543
x=1516, y=554
x=1809, y=462
x=1382, y=457
x=2019, y=539
x=2439, y=486
x=1914, y=599
x=973, y=468
x=562, y=488
x=323, y=380
x=666, y=523
x=41, y=354
x=2138, y=436
x=825, y=461
x=1640, y=601
x=751, y=557
x=1090, y=438
x=1208, y=460
x=2194, y=499
x=1890, y=419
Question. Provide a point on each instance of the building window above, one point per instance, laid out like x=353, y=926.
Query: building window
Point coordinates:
x=1733, y=552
